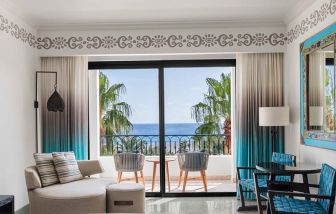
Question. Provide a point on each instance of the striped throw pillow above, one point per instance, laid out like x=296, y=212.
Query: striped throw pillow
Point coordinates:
x=66, y=167
x=46, y=169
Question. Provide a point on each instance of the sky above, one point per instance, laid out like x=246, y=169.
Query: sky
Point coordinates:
x=184, y=87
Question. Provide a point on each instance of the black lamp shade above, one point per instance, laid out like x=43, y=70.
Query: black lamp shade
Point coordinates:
x=55, y=102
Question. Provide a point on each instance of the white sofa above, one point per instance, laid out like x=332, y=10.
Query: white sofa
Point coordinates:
x=84, y=196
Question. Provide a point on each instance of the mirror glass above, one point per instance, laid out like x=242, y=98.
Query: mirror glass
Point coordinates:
x=320, y=65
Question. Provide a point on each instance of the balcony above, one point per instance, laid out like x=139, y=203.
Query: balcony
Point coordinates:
x=219, y=171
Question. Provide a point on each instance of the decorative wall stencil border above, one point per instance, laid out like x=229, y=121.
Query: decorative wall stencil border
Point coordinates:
x=161, y=41
x=316, y=17
x=17, y=31
x=171, y=41
x=140, y=41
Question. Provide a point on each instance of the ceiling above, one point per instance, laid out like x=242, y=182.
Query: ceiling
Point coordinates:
x=51, y=13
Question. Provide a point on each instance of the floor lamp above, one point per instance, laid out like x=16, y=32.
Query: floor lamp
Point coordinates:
x=55, y=102
x=274, y=117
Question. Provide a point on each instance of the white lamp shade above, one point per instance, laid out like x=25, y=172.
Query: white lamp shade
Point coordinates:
x=316, y=115
x=274, y=116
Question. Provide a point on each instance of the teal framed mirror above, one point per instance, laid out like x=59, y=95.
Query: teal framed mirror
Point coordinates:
x=318, y=89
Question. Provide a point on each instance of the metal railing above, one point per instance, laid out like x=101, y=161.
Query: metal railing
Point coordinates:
x=149, y=145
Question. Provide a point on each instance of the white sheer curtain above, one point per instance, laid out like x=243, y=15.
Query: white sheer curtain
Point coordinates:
x=68, y=130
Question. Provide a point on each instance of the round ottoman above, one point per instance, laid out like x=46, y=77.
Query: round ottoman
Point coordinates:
x=125, y=198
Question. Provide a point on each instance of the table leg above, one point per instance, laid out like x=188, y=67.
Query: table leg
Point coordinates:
x=167, y=175
x=154, y=175
x=268, y=207
x=306, y=182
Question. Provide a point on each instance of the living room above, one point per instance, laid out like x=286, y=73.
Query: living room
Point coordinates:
x=167, y=106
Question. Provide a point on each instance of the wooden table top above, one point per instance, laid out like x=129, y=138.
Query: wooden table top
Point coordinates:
x=296, y=168
x=157, y=159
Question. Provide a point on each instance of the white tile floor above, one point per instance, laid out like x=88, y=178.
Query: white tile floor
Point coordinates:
x=193, y=185
x=192, y=205
x=202, y=205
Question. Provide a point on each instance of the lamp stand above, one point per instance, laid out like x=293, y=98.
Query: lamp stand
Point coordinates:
x=274, y=133
x=36, y=104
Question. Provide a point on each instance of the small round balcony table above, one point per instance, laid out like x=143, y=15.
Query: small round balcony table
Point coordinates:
x=302, y=168
x=156, y=161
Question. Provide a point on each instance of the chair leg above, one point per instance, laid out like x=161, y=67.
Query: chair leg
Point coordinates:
x=167, y=175
x=180, y=179
x=205, y=178
x=119, y=176
x=154, y=175
x=259, y=205
x=241, y=195
x=142, y=177
x=136, y=177
x=203, y=175
x=185, y=180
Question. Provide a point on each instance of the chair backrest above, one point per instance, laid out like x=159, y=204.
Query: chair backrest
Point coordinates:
x=129, y=162
x=283, y=158
x=327, y=187
x=193, y=161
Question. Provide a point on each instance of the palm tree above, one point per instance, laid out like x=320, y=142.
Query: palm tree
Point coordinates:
x=113, y=113
x=215, y=109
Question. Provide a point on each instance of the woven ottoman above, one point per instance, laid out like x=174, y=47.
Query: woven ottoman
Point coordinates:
x=125, y=198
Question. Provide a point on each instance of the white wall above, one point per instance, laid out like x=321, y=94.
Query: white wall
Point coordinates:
x=292, y=90
x=18, y=61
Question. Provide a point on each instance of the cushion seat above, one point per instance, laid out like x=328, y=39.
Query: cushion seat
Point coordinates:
x=249, y=183
x=290, y=205
x=85, y=188
x=83, y=196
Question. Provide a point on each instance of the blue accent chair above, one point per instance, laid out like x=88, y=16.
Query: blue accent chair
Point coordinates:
x=258, y=184
x=284, y=202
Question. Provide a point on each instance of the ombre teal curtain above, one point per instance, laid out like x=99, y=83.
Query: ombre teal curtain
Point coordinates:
x=68, y=130
x=259, y=83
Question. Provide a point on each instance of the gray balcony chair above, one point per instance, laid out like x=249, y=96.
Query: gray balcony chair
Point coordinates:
x=129, y=162
x=191, y=162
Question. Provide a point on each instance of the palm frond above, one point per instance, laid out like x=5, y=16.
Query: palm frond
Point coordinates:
x=113, y=112
x=216, y=106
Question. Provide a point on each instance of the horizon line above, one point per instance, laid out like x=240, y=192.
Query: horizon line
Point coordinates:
x=165, y=123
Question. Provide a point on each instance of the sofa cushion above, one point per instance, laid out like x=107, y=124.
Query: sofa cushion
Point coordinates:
x=66, y=167
x=85, y=188
x=46, y=169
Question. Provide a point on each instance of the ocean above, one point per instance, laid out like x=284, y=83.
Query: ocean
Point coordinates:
x=170, y=129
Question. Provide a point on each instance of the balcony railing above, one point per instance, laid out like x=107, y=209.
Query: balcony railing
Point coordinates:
x=149, y=145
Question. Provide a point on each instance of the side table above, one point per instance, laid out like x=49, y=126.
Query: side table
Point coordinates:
x=6, y=204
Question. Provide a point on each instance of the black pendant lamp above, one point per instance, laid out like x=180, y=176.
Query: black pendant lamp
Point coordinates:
x=55, y=102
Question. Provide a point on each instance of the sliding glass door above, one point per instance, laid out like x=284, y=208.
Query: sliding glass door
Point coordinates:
x=171, y=119
x=198, y=129
x=129, y=125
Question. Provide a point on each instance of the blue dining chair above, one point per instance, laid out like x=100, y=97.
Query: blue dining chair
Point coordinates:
x=258, y=184
x=284, y=202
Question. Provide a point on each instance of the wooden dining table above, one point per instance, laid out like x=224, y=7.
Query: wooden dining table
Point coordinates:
x=298, y=168
x=156, y=161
